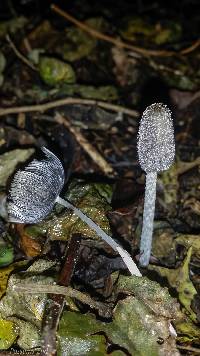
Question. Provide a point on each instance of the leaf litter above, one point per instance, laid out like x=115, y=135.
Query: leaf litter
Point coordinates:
x=101, y=310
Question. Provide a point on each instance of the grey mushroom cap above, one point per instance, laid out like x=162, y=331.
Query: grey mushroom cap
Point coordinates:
x=156, y=146
x=34, y=190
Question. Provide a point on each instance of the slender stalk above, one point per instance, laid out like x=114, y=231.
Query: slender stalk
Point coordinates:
x=124, y=254
x=148, y=217
x=55, y=303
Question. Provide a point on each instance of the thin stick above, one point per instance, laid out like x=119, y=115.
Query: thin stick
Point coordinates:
x=32, y=288
x=143, y=51
x=101, y=36
x=191, y=48
x=67, y=101
x=55, y=303
x=19, y=55
x=148, y=217
x=189, y=348
x=86, y=145
x=17, y=352
x=109, y=240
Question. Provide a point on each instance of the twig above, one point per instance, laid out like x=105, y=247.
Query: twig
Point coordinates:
x=17, y=352
x=163, y=68
x=32, y=288
x=191, y=48
x=27, y=45
x=183, y=167
x=55, y=304
x=19, y=55
x=67, y=101
x=86, y=145
x=188, y=348
x=101, y=36
x=143, y=51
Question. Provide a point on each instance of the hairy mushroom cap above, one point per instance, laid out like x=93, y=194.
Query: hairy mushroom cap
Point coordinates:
x=156, y=146
x=34, y=190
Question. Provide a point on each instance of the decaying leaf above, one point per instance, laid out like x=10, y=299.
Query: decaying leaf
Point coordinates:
x=9, y=160
x=180, y=280
x=26, y=310
x=188, y=241
x=30, y=245
x=90, y=198
x=155, y=297
x=163, y=243
x=133, y=322
x=78, y=44
x=4, y=275
x=145, y=315
x=187, y=331
x=13, y=25
x=169, y=185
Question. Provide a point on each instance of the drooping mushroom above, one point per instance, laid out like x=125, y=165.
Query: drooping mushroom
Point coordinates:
x=36, y=189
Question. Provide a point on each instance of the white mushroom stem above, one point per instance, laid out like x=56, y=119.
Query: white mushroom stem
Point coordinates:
x=148, y=217
x=124, y=254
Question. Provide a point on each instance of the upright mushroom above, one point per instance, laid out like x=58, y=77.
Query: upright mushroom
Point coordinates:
x=156, y=150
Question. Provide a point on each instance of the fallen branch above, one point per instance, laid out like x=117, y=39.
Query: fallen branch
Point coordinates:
x=143, y=51
x=67, y=101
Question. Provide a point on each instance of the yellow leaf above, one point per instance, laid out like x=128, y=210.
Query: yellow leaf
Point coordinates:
x=8, y=334
x=4, y=275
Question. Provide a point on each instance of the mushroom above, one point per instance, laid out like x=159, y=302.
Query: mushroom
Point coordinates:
x=156, y=151
x=36, y=189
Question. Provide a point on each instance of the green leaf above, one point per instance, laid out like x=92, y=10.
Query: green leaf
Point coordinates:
x=55, y=72
x=144, y=316
x=133, y=322
x=6, y=255
x=76, y=335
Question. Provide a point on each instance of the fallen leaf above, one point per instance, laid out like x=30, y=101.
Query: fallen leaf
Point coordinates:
x=8, y=334
x=180, y=280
